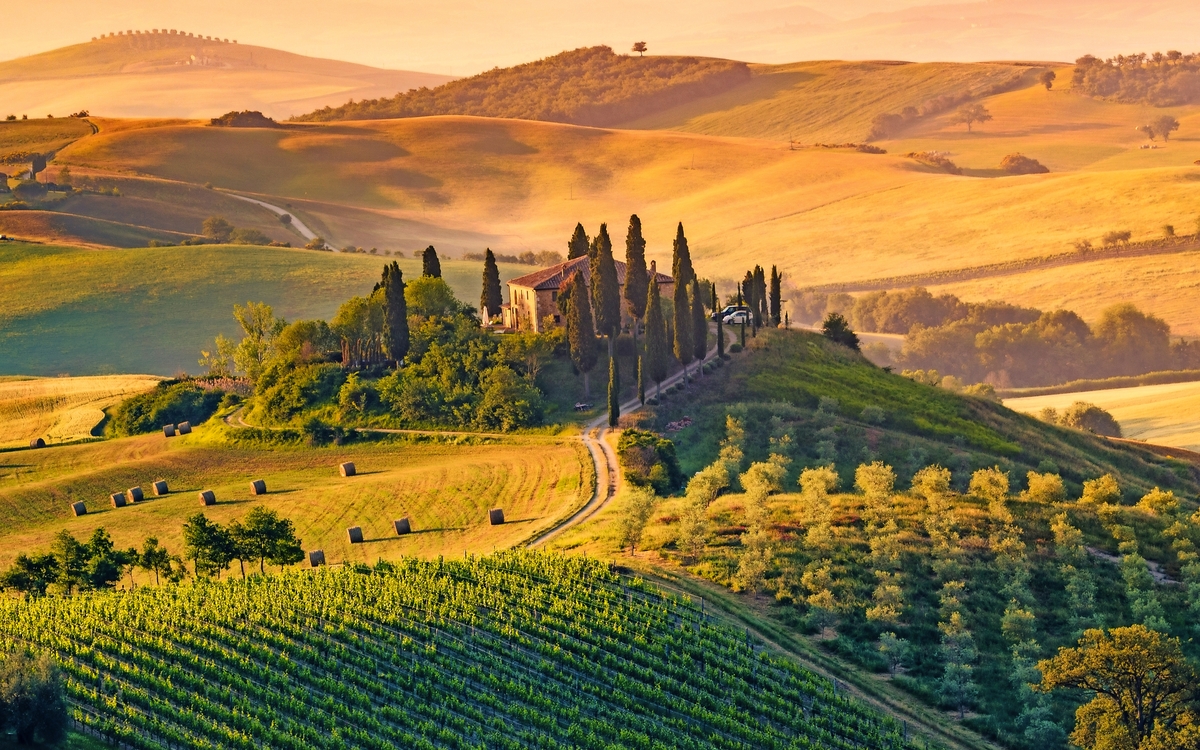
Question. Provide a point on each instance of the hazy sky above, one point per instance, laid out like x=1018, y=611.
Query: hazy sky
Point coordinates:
x=461, y=37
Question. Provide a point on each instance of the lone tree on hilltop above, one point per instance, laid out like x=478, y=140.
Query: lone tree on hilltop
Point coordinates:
x=430, y=265
x=491, y=299
x=395, y=313
x=640, y=48
x=578, y=245
x=837, y=330
x=971, y=114
x=1047, y=79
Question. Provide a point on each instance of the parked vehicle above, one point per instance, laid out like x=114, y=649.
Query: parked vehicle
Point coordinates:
x=729, y=310
x=737, y=318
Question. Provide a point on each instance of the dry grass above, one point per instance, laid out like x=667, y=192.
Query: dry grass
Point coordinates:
x=1161, y=414
x=445, y=488
x=60, y=409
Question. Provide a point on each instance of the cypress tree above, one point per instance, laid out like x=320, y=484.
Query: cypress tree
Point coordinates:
x=656, y=357
x=760, y=296
x=699, y=326
x=683, y=326
x=614, y=392
x=395, y=313
x=681, y=260
x=749, y=289
x=577, y=246
x=580, y=335
x=606, y=289
x=491, y=298
x=641, y=383
x=720, y=324
x=637, y=277
x=776, y=295
x=430, y=265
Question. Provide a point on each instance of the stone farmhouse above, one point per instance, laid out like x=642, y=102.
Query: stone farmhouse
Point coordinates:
x=533, y=298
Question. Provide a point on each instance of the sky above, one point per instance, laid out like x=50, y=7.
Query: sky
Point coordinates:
x=462, y=37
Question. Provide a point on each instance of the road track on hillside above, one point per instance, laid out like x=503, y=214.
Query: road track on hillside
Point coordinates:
x=296, y=223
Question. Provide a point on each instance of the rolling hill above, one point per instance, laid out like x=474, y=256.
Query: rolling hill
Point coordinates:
x=164, y=74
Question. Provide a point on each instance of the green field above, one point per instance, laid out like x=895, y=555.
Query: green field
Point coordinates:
x=60, y=409
x=151, y=310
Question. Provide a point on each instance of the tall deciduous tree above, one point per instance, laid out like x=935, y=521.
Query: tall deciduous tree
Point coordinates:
x=395, y=313
x=776, y=296
x=970, y=114
x=657, y=355
x=579, y=244
x=581, y=336
x=606, y=289
x=32, y=702
x=266, y=537
x=637, y=277
x=430, y=265
x=208, y=545
x=491, y=298
x=699, y=324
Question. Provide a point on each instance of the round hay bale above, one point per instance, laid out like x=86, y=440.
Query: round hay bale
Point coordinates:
x=316, y=558
x=258, y=487
x=355, y=534
x=169, y=430
x=403, y=526
x=160, y=488
x=495, y=516
x=208, y=497
x=135, y=494
x=118, y=499
x=347, y=469
x=37, y=443
x=79, y=509
x=185, y=428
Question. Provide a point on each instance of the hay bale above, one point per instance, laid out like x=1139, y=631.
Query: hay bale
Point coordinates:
x=79, y=509
x=258, y=487
x=208, y=497
x=168, y=430
x=135, y=494
x=160, y=488
x=316, y=558
x=118, y=499
x=355, y=534
x=185, y=428
x=37, y=443
x=403, y=526
x=495, y=516
x=347, y=469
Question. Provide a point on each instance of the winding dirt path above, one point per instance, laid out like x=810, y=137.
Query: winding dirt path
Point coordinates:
x=298, y=225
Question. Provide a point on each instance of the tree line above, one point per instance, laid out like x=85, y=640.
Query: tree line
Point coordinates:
x=1007, y=345
x=70, y=566
x=1161, y=79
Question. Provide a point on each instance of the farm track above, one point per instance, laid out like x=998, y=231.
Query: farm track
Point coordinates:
x=1011, y=268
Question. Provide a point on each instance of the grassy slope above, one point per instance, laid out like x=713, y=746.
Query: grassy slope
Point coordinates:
x=39, y=135
x=1162, y=414
x=823, y=101
x=446, y=487
x=60, y=409
x=70, y=310
x=141, y=76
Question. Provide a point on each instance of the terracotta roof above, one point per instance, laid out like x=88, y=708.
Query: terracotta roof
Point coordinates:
x=553, y=277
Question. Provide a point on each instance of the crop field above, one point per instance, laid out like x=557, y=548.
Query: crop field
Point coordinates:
x=1162, y=414
x=60, y=409
x=21, y=137
x=151, y=310
x=444, y=485
x=510, y=651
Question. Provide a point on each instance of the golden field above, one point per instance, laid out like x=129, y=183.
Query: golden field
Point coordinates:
x=60, y=410
x=1162, y=414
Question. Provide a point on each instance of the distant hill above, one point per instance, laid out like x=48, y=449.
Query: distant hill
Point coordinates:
x=177, y=75
x=587, y=86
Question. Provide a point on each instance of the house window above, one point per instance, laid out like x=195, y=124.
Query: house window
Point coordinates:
x=558, y=319
x=554, y=296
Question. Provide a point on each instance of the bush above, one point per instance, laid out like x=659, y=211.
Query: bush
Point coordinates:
x=29, y=190
x=508, y=402
x=1084, y=416
x=735, y=348
x=867, y=148
x=170, y=402
x=245, y=236
x=1020, y=164
x=649, y=461
x=296, y=390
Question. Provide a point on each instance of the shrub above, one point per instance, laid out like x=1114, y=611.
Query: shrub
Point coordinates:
x=649, y=460
x=1020, y=164
x=867, y=148
x=246, y=236
x=873, y=415
x=296, y=390
x=169, y=402
x=735, y=348
x=1084, y=416
x=936, y=160
x=28, y=190
x=1117, y=237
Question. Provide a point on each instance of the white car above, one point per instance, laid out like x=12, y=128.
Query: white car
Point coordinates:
x=737, y=318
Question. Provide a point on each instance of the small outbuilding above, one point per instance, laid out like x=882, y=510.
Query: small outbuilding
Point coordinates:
x=347, y=469
x=160, y=488
x=258, y=487
x=355, y=534
x=208, y=497
x=496, y=516
x=403, y=526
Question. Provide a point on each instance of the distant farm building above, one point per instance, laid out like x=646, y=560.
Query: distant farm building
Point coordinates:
x=533, y=298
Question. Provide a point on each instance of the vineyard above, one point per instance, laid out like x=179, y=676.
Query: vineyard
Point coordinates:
x=515, y=650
